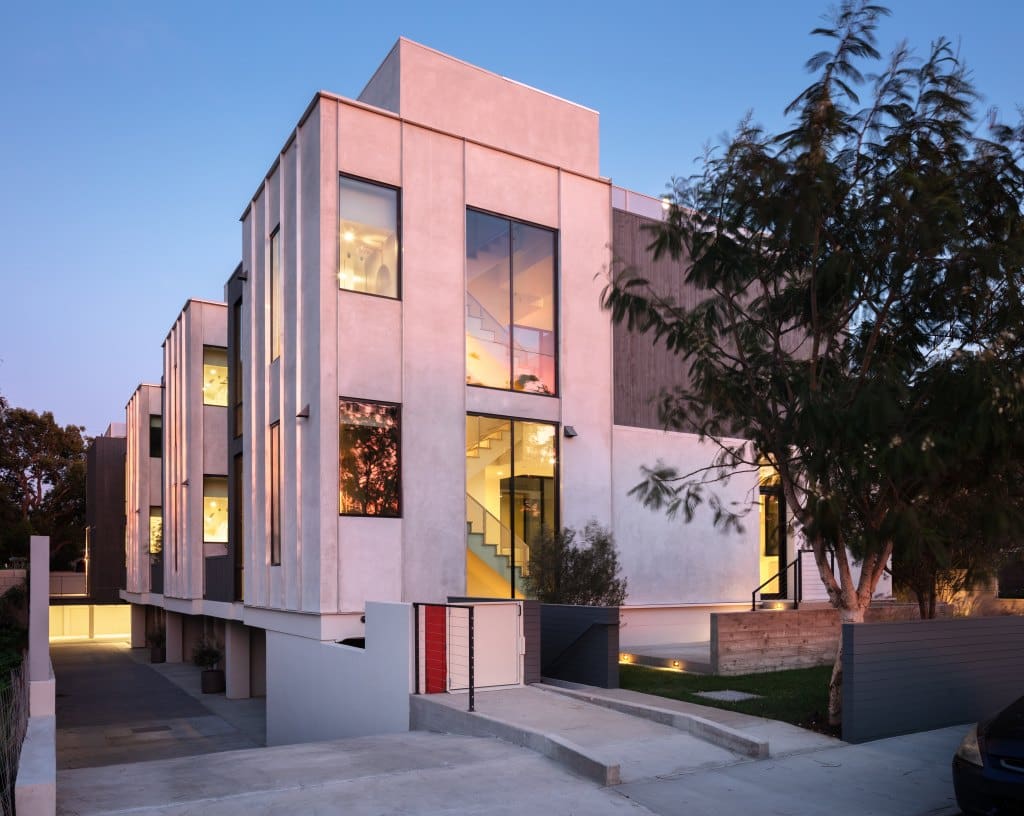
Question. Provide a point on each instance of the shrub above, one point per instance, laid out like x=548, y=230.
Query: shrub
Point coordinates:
x=585, y=573
x=207, y=653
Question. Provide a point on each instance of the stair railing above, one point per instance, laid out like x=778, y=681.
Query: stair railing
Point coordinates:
x=797, y=565
x=505, y=541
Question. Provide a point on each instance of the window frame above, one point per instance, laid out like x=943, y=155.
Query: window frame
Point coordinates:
x=398, y=236
x=227, y=533
x=159, y=417
x=276, y=317
x=235, y=397
x=556, y=301
x=556, y=468
x=227, y=376
x=401, y=503
x=274, y=534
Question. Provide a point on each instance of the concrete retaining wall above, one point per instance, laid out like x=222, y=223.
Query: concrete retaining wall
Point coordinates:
x=745, y=642
x=901, y=677
x=320, y=690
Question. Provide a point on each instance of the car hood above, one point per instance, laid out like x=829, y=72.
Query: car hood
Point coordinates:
x=1004, y=733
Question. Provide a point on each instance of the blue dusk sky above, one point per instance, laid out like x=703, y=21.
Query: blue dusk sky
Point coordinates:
x=134, y=133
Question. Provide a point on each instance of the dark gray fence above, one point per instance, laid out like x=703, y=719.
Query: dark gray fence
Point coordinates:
x=917, y=675
x=580, y=644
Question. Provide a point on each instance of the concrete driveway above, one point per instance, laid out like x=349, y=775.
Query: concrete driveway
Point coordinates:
x=426, y=773
x=112, y=708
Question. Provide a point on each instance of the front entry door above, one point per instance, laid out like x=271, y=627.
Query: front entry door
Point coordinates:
x=773, y=542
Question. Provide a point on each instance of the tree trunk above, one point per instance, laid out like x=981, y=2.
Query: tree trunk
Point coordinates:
x=835, y=686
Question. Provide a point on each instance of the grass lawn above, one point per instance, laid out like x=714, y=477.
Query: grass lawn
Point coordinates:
x=798, y=696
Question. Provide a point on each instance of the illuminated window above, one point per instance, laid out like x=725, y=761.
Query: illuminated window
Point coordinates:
x=510, y=304
x=369, y=461
x=275, y=493
x=156, y=530
x=215, y=376
x=276, y=294
x=511, y=496
x=368, y=238
x=215, y=509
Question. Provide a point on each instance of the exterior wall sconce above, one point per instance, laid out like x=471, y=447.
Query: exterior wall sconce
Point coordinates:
x=304, y=413
x=569, y=432
x=185, y=483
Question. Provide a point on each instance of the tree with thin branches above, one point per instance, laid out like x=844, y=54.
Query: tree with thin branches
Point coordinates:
x=860, y=325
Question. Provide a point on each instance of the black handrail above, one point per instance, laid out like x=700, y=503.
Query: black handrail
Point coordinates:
x=798, y=595
x=798, y=584
x=472, y=638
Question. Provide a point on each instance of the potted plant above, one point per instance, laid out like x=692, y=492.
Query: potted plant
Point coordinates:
x=156, y=640
x=207, y=654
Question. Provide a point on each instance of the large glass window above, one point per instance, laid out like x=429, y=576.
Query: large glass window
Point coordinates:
x=156, y=531
x=156, y=436
x=215, y=509
x=511, y=496
x=215, y=376
x=275, y=494
x=369, y=483
x=368, y=237
x=276, y=294
x=510, y=304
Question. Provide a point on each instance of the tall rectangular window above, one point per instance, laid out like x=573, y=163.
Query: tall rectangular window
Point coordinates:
x=156, y=436
x=215, y=376
x=156, y=531
x=369, y=483
x=510, y=304
x=368, y=237
x=511, y=497
x=275, y=493
x=235, y=373
x=215, y=509
x=276, y=294
x=238, y=526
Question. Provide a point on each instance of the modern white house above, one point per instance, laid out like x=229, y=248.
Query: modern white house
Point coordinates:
x=413, y=375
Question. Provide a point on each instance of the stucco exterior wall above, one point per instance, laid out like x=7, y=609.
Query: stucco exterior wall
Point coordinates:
x=411, y=350
x=195, y=444
x=447, y=94
x=143, y=485
x=671, y=561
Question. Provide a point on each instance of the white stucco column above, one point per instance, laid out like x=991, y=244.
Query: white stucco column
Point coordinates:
x=174, y=620
x=138, y=626
x=236, y=660
x=39, y=609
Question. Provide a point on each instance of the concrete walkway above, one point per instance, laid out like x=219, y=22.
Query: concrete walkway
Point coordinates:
x=414, y=773
x=112, y=708
x=900, y=776
x=421, y=773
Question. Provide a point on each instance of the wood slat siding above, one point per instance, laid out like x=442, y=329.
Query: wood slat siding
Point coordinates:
x=105, y=514
x=531, y=642
x=918, y=675
x=745, y=642
x=641, y=370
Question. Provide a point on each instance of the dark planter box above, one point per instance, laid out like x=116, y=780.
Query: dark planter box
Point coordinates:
x=213, y=681
x=157, y=654
x=580, y=644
